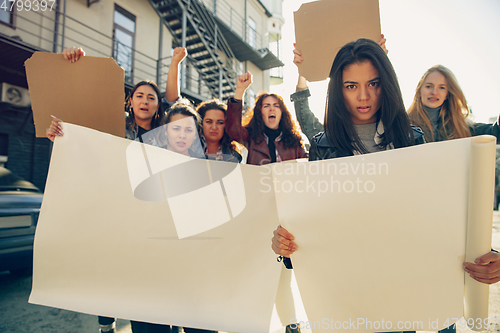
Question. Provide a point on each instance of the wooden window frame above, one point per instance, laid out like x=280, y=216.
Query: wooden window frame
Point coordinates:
x=128, y=32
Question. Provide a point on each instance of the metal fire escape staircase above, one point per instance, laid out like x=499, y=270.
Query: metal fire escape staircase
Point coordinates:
x=194, y=27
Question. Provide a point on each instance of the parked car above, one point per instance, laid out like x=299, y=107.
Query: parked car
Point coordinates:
x=20, y=203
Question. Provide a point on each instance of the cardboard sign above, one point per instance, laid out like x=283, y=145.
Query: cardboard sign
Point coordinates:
x=323, y=27
x=89, y=92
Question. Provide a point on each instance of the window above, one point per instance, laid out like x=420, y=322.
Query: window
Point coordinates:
x=277, y=7
x=252, y=33
x=7, y=16
x=124, y=41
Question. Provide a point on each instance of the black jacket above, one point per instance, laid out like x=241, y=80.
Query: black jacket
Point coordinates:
x=322, y=150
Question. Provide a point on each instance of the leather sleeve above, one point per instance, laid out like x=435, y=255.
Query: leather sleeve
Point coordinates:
x=490, y=129
x=234, y=128
x=313, y=151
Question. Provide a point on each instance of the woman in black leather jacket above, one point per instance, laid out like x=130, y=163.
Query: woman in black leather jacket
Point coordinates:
x=440, y=109
x=363, y=92
x=365, y=113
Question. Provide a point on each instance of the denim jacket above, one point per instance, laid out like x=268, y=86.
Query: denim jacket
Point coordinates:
x=309, y=123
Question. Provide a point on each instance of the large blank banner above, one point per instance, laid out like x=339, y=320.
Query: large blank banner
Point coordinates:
x=138, y=232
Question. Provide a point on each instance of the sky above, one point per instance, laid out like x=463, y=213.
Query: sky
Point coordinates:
x=463, y=35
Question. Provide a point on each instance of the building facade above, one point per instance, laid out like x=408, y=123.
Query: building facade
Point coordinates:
x=224, y=39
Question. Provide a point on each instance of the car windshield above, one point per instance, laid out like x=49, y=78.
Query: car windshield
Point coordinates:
x=11, y=182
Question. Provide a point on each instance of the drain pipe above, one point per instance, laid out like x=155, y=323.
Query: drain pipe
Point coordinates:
x=64, y=26
x=160, y=55
x=56, y=26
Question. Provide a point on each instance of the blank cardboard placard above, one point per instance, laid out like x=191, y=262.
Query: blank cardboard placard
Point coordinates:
x=323, y=27
x=89, y=92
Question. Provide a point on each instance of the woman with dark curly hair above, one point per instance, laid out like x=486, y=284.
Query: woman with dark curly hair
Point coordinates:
x=268, y=131
x=218, y=145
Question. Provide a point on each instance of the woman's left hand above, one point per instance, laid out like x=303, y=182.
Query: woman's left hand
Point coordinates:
x=485, y=269
x=282, y=242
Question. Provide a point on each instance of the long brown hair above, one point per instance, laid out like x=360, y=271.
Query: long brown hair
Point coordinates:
x=339, y=127
x=159, y=116
x=255, y=125
x=454, y=111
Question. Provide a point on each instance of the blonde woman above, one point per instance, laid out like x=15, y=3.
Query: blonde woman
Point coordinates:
x=440, y=109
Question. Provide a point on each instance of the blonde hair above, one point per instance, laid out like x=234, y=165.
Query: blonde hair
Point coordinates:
x=454, y=111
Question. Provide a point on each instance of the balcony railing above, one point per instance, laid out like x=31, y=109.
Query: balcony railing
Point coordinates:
x=237, y=23
x=52, y=34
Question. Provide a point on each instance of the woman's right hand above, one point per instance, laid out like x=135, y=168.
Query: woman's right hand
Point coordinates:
x=282, y=242
x=382, y=42
x=179, y=54
x=54, y=130
x=242, y=83
x=297, y=60
x=73, y=54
